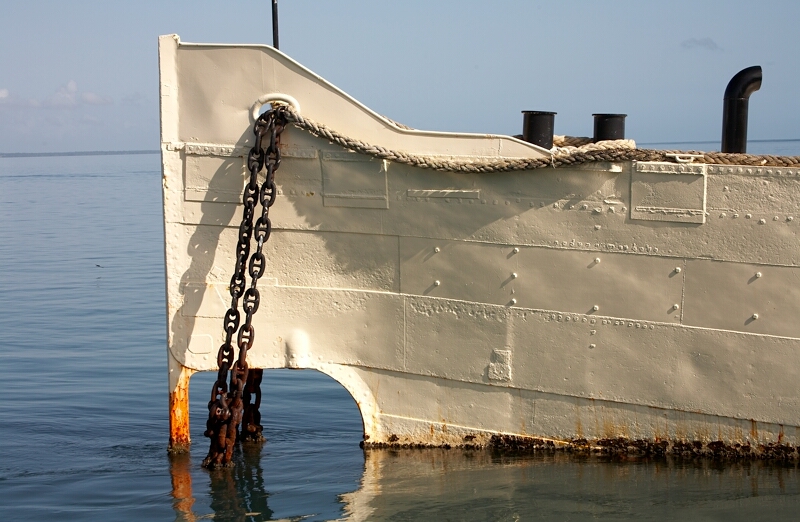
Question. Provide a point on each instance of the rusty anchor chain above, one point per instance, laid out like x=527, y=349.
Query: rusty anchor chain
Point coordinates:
x=238, y=403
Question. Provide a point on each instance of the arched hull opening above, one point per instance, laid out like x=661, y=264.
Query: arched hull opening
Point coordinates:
x=296, y=404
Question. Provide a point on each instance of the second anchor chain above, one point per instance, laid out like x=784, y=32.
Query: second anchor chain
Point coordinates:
x=231, y=405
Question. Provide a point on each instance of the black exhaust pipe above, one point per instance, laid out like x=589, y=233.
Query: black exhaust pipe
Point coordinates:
x=734, y=111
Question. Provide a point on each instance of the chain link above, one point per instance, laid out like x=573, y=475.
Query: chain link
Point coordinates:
x=231, y=404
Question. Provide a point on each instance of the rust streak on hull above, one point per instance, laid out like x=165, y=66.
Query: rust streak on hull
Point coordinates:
x=179, y=440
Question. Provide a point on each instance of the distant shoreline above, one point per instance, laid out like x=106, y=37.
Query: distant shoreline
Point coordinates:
x=76, y=153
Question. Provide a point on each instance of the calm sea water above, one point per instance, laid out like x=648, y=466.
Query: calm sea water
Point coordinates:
x=83, y=369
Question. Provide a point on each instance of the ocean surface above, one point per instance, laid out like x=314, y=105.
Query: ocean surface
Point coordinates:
x=83, y=366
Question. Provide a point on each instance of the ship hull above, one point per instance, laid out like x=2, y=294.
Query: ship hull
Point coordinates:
x=616, y=305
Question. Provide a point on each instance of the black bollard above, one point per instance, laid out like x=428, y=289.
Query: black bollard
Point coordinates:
x=537, y=128
x=609, y=127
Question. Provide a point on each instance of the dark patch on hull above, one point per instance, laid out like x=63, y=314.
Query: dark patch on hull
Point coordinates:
x=617, y=447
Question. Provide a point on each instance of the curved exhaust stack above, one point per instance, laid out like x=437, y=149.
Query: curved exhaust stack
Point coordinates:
x=734, y=111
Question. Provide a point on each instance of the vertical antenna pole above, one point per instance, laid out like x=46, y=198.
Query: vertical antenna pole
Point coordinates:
x=275, y=24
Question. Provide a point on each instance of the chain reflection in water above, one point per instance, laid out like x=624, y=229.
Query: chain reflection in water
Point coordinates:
x=237, y=493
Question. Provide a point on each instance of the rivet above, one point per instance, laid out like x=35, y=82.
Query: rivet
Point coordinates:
x=722, y=215
x=437, y=283
x=595, y=308
x=755, y=316
x=748, y=216
x=736, y=215
x=584, y=206
x=790, y=218
x=514, y=275
x=758, y=274
x=592, y=346
x=676, y=306
x=516, y=250
x=596, y=260
x=762, y=221
x=776, y=218
x=598, y=227
x=513, y=301
x=437, y=249
x=677, y=270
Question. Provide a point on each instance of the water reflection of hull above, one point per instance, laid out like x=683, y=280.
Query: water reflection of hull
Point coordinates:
x=464, y=484
x=455, y=484
x=632, y=306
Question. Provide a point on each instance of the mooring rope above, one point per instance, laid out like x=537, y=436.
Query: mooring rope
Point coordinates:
x=569, y=151
x=569, y=141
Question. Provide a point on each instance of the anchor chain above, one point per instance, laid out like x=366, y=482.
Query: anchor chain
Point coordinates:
x=231, y=405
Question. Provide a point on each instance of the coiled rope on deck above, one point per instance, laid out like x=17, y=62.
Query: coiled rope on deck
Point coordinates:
x=574, y=151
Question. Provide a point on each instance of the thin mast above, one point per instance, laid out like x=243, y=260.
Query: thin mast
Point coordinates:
x=275, y=24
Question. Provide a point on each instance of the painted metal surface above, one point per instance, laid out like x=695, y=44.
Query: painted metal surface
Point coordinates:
x=643, y=301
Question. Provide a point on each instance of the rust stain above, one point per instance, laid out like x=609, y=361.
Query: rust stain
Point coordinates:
x=609, y=429
x=179, y=440
x=680, y=425
x=754, y=430
x=702, y=432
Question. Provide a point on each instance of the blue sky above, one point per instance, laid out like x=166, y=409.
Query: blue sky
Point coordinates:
x=83, y=75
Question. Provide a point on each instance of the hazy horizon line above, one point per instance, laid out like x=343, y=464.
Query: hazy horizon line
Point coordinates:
x=77, y=153
x=781, y=140
x=158, y=151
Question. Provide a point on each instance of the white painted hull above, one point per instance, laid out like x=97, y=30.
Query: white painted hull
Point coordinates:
x=573, y=305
